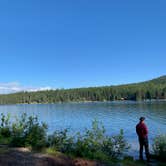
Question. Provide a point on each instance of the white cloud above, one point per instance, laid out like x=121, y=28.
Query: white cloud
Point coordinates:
x=39, y=89
x=12, y=87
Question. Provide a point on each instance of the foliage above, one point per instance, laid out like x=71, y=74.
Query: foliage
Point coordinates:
x=159, y=146
x=52, y=151
x=26, y=131
x=93, y=143
x=18, y=129
x=115, y=145
x=154, y=89
x=35, y=134
x=60, y=141
x=4, y=127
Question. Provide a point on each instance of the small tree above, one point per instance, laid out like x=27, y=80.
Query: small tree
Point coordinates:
x=159, y=146
x=5, y=126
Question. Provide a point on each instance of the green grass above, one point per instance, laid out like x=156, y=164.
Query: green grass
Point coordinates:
x=4, y=150
x=52, y=151
x=5, y=141
x=133, y=162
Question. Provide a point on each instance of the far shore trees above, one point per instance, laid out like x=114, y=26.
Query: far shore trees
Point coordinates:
x=153, y=89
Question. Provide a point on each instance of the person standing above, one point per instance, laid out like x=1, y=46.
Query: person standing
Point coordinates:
x=142, y=132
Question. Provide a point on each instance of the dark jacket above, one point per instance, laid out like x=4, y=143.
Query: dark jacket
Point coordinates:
x=142, y=130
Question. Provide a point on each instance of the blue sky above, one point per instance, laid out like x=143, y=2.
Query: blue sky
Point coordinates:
x=80, y=43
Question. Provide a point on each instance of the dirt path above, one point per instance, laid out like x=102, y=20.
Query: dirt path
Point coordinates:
x=22, y=157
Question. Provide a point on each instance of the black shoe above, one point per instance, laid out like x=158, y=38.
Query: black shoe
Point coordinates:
x=148, y=157
x=141, y=158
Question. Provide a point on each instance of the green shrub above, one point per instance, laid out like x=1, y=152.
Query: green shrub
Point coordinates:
x=95, y=142
x=5, y=131
x=25, y=131
x=92, y=144
x=60, y=141
x=91, y=141
x=18, y=131
x=35, y=134
x=159, y=146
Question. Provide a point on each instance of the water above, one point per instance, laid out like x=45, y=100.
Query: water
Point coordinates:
x=114, y=115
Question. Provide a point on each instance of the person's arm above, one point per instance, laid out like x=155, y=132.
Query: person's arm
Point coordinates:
x=136, y=129
x=145, y=130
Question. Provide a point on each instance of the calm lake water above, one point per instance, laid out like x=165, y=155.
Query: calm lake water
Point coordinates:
x=114, y=115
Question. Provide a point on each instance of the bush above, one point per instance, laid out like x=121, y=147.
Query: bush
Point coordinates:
x=91, y=141
x=159, y=146
x=95, y=144
x=35, y=134
x=26, y=131
x=115, y=146
x=5, y=126
x=92, y=144
x=18, y=129
x=60, y=141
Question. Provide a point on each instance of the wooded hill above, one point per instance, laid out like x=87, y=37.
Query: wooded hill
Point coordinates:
x=152, y=89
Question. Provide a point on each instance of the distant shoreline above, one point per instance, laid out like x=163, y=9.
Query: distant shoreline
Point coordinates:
x=76, y=102
x=144, y=91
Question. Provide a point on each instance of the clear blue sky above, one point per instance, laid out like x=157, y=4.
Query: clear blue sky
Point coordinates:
x=81, y=43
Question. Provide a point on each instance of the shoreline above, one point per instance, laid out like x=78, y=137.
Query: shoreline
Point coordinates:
x=77, y=102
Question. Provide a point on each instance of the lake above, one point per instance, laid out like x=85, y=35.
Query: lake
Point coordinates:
x=114, y=115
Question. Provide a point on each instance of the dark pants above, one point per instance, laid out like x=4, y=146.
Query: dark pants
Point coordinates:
x=143, y=142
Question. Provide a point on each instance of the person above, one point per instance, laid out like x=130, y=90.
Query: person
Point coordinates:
x=142, y=132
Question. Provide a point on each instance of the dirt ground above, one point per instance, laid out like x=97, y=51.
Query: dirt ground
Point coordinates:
x=23, y=157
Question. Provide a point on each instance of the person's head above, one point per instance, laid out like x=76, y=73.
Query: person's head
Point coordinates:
x=142, y=119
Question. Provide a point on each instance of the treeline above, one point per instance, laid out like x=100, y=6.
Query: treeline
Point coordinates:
x=153, y=89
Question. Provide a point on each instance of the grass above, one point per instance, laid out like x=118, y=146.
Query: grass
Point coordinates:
x=4, y=150
x=52, y=151
x=5, y=141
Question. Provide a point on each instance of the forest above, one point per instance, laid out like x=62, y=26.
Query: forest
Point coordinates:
x=148, y=90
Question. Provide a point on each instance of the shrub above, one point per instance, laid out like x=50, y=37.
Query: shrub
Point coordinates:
x=60, y=141
x=95, y=144
x=5, y=126
x=26, y=131
x=159, y=146
x=91, y=141
x=18, y=131
x=115, y=146
x=92, y=144
x=35, y=134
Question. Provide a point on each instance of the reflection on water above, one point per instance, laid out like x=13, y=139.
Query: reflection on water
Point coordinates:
x=114, y=115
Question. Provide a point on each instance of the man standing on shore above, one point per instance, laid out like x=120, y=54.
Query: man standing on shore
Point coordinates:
x=142, y=132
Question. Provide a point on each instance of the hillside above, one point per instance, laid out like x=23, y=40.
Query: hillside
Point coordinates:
x=159, y=80
x=152, y=89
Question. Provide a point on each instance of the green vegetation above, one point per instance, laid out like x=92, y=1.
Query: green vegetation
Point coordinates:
x=93, y=144
x=154, y=89
x=24, y=132
x=159, y=147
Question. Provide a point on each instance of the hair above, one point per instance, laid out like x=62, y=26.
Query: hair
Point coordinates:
x=142, y=118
